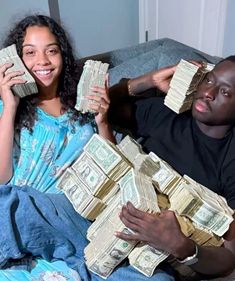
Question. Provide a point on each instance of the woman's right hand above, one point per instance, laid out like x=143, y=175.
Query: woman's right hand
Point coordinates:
x=7, y=80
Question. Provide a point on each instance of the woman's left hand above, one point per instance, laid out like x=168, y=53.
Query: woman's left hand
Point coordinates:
x=101, y=104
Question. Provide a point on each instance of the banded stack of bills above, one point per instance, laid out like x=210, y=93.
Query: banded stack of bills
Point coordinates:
x=145, y=258
x=10, y=55
x=83, y=201
x=105, y=251
x=94, y=73
x=95, y=180
x=166, y=178
x=108, y=157
x=141, y=161
x=183, y=84
x=201, y=206
x=93, y=176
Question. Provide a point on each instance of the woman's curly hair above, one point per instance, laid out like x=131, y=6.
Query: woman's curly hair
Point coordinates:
x=26, y=112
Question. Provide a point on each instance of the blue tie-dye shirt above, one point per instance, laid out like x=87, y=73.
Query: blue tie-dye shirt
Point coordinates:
x=39, y=158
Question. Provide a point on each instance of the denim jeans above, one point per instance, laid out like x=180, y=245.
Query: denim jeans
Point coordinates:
x=46, y=225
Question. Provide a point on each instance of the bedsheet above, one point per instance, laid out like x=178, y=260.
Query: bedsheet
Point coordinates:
x=43, y=271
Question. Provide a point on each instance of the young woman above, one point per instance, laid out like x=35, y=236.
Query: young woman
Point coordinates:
x=40, y=136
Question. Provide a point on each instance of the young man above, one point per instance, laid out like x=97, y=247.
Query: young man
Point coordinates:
x=199, y=143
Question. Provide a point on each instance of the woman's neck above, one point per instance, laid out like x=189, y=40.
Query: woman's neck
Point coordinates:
x=51, y=105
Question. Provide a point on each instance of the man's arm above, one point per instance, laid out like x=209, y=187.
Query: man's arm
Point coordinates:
x=162, y=231
x=127, y=91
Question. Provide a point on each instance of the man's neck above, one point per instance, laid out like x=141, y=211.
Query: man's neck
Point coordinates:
x=217, y=132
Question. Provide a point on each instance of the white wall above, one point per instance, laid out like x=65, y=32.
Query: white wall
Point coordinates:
x=103, y=25
x=13, y=10
x=95, y=26
x=229, y=35
x=207, y=25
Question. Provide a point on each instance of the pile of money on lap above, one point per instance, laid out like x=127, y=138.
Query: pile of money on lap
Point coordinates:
x=106, y=176
x=9, y=55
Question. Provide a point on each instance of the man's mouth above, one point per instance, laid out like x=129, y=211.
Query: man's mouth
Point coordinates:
x=201, y=106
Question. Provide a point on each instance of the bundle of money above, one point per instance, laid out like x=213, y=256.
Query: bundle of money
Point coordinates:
x=105, y=251
x=95, y=180
x=79, y=195
x=207, y=211
x=141, y=161
x=93, y=74
x=183, y=84
x=93, y=176
x=108, y=157
x=166, y=178
x=145, y=258
x=9, y=55
x=138, y=189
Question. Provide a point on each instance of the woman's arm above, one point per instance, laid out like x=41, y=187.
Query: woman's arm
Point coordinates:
x=10, y=103
x=101, y=107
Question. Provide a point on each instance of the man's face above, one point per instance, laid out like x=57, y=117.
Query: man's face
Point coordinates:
x=214, y=101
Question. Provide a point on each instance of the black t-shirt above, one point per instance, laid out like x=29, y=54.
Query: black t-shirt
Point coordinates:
x=177, y=139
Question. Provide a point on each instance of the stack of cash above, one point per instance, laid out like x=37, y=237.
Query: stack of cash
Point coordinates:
x=184, y=83
x=79, y=195
x=166, y=178
x=108, y=157
x=93, y=176
x=145, y=258
x=141, y=161
x=95, y=180
x=201, y=206
x=94, y=73
x=9, y=55
x=105, y=251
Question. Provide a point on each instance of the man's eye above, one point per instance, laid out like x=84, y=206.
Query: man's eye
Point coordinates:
x=225, y=92
x=208, y=80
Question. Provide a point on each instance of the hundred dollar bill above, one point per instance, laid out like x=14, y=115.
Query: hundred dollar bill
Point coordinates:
x=9, y=54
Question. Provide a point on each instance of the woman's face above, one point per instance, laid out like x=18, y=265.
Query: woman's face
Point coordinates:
x=42, y=56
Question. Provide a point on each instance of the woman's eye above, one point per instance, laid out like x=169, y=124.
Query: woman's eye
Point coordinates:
x=52, y=51
x=29, y=53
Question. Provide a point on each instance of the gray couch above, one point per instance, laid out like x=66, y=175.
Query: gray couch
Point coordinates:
x=136, y=60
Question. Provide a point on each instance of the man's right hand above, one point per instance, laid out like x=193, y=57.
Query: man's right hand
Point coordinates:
x=162, y=77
